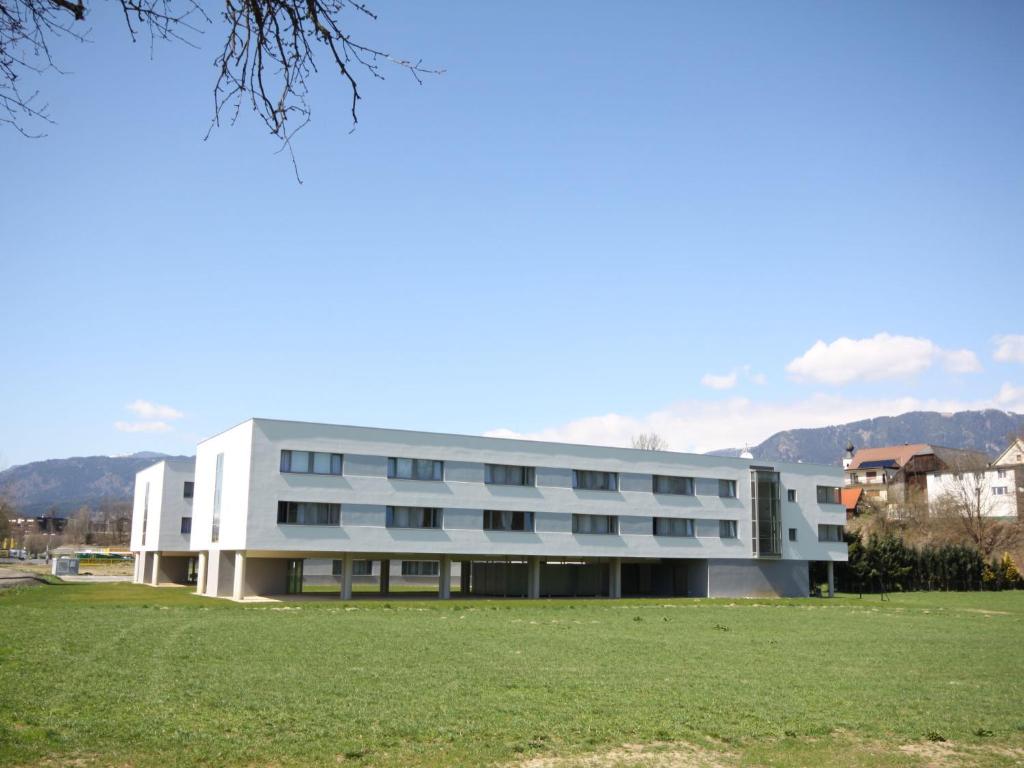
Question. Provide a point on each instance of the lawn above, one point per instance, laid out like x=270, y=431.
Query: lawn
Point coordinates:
x=120, y=674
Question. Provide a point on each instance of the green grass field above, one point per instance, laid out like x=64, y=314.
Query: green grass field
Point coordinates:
x=119, y=674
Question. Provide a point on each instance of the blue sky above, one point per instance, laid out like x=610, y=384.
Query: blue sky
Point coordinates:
x=712, y=220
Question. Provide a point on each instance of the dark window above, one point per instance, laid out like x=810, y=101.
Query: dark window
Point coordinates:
x=595, y=481
x=145, y=514
x=186, y=525
x=359, y=567
x=727, y=529
x=791, y=494
x=679, y=486
x=413, y=517
x=415, y=469
x=421, y=568
x=727, y=489
x=506, y=474
x=189, y=489
x=308, y=513
x=792, y=534
x=830, y=533
x=311, y=462
x=606, y=524
x=828, y=495
x=502, y=520
x=673, y=526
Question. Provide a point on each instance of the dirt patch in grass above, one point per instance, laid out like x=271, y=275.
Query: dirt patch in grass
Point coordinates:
x=934, y=753
x=656, y=755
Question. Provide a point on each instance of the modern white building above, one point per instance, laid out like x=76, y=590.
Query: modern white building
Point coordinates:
x=511, y=517
x=162, y=522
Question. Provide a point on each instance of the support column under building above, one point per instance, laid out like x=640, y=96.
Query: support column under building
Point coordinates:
x=615, y=577
x=201, y=574
x=831, y=579
x=444, y=581
x=346, y=577
x=154, y=576
x=238, y=592
x=385, y=577
x=533, y=578
x=137, y=572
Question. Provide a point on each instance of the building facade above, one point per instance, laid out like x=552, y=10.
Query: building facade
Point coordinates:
x=510, y=517
x=162, y=522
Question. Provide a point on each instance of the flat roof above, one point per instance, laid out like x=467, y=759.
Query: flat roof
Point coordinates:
x=545, y=444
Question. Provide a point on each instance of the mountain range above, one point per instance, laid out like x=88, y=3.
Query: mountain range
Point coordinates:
x=64, y=485
x=988, y=431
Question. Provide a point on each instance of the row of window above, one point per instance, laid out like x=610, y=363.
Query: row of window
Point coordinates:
x=316, y=513
x=313, y=462
x=409, y=567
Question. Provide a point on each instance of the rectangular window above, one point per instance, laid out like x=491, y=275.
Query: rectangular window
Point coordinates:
x=830, y=533
x=218, y=482
x=421, y=568
x=311, y=462
x=727, y=489
x=673, y=526
x=502, y=520
x=308, y=513
x=359, y=567
x=605, y=524
x=828, y=495
x=189, y=490
x=1001, y=473
x=589, y=480
x=727, y=529
x=413, y=517
x=415, y=469
x=186, y=525
x=792, y=534
x=791, y=494
x=678, y=486
x=999, y=490
x=145, y=514
x=854, y=477
x=507, y=474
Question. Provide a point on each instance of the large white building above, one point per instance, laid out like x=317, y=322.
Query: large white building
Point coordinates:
x=511, y=517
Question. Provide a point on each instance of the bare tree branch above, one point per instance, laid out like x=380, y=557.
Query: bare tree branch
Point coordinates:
x=269, y=53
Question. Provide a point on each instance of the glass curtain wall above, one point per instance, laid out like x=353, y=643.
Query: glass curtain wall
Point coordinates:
x=765, y=506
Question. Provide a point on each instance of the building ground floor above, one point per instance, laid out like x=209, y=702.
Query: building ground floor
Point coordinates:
x=240, y=574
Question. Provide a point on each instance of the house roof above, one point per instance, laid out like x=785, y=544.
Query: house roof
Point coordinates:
x=1009, y=456
x=899, y=454
x=850, y=497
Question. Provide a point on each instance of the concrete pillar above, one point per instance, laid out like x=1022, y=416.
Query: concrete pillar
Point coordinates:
x=385, y=577
x=239, y=587
x=533, y=578
x=444, y=579
x=154, y=576
x=615, y=578
x=345, y=591
x=465, y=571
x=831, y=580
x=137, y=572
x=201, y=574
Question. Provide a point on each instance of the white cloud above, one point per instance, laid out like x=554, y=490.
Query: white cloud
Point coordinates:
x=147, y=410
x=142, y=426
x=701, y=426
x=883, y=356
x=1009, y=349
x=727, y=381
x=1010, y=398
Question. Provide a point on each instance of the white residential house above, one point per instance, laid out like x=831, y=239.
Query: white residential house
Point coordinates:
x=162, y=521
x=510, y=517
x=995, y=490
